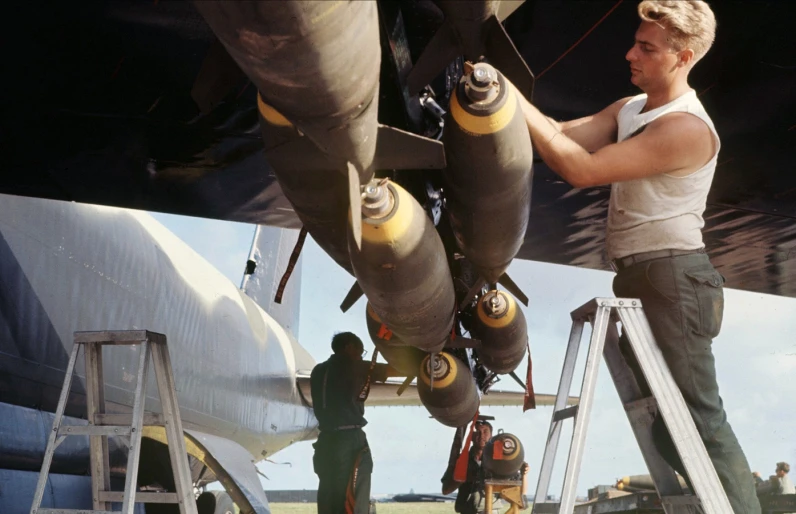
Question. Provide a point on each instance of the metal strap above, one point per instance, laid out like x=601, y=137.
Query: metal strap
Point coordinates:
x=291, y=264
x=365, y=391
x=325, y=378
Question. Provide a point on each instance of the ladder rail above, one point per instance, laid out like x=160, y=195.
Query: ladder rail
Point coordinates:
x=174, y=434
x=98, y=445
x=554, y=435
x=676, y=415
x=134, y=456
x=641, y=417
x=581, y=420
x=59, y=414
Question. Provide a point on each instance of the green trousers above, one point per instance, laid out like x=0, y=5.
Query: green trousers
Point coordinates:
x=684, y=302
x=343, y=464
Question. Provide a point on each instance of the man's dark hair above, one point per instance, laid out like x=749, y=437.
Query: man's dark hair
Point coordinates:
x=343, y=339
x=487, y=423
x=783, y=466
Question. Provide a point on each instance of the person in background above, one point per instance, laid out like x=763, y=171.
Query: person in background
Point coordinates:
x=470, y=498
x=778, y=483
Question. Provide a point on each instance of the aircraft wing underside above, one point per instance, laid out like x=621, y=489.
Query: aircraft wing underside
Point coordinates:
x=385, y=395
x=99, y=109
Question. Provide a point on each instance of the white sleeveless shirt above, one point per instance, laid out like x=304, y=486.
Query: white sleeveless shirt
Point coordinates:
x=662, y=211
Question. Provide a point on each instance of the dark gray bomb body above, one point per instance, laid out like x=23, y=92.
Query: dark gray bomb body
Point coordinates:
x=317, y=63
x=489, y=171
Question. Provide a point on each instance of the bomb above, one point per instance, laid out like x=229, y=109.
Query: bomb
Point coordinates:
x=503, y=456
x=405, y=359
x=500, y=325
x=489, y=170
x=316, y=63
x=315, y=184
x=454, y=399
x=402, y=268
x=642, y=483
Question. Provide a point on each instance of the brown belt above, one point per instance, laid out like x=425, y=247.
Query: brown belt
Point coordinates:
x=625, y=262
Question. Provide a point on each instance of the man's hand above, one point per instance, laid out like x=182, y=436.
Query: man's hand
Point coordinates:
x=524, y=468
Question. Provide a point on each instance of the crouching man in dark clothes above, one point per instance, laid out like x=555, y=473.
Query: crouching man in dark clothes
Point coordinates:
x=342, y=458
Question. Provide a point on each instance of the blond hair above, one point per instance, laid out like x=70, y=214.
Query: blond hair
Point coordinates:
x=688, y=23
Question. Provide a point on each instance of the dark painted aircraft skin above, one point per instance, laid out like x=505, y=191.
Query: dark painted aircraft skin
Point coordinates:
x=98, y=109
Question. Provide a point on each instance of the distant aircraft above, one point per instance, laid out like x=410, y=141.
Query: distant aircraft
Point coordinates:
x=413, y=497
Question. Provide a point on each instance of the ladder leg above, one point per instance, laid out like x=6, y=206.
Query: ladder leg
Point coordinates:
x=174, y=434
x=95, y=402
x=554, y=435
x=599, y=327
x=59, y=413
x=675, y=413
x=641, y=413
x=134, y=456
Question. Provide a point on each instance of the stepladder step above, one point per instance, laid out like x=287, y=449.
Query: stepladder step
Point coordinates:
x=140, y=497
x=107, y=430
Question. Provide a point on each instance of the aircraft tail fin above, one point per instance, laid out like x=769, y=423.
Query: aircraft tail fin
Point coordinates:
x=269, y=258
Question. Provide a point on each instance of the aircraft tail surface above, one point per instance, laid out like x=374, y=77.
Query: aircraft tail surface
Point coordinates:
x=268, y=260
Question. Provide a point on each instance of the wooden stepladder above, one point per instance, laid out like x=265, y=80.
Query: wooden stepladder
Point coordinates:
x=102, y=425
x=641, y=410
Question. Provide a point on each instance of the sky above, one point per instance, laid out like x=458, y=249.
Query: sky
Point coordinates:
x=755, y=360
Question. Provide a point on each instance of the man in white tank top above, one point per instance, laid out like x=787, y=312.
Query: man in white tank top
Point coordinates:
x=658, y=151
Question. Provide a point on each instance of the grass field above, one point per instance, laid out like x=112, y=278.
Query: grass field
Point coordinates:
x=381, y=508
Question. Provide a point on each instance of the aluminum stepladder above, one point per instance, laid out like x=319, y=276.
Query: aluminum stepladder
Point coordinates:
x=603, y=314
x=102, y=425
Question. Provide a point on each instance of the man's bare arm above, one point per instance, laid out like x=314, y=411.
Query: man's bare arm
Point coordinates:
x=595, y=131
x=674, y=143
